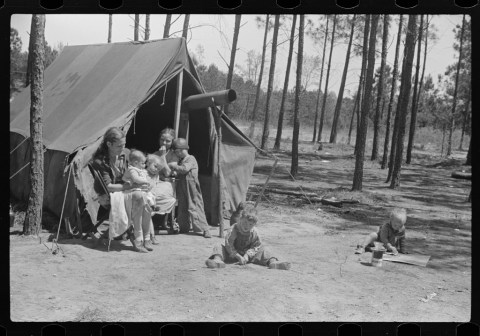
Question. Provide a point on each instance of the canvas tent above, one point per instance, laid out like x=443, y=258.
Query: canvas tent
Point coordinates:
x=138, y=86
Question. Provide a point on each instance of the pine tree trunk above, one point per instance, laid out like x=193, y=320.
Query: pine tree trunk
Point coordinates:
x=266, y=121
x=233, y=52
x=361, y=90
x=109, y=28
x=33, y=216
x=454, y=103
x=278, y=137
x=135, y=29
x=405, y=87
x=362, y=134
x=416, y=93
x=147, y=27
x=325, y=92
x=251, y=131
x=185, y=26
x=469, y=153
x=444, y=131
x=376, y=124
x=338, y=106
x=355, y=106
x=296, y=111
x=166, y=30
x=320, y=83
x=28, y=76
x=465, y=118
x=390, y=106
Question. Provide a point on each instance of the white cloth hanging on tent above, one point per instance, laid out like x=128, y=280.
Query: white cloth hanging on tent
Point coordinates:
x=118, y=218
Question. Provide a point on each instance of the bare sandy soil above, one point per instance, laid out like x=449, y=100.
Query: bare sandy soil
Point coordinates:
x=327, y=282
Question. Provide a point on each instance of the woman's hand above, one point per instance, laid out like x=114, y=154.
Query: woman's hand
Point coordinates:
x=162, y=150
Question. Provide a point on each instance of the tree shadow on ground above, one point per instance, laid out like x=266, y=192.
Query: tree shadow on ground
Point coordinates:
x=436, y=240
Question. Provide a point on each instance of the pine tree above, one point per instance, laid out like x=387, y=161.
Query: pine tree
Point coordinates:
x=405, y=87
x=166, y=29
x=338, y=106
x=296, y=111
x=271, y=75
x=454, y=103
x=233, y=52
x=260, y=76
x=362, y=134
x=320, y=83
x=376, y=124
x=278, y=137
x=33, y=216
x=325, y=92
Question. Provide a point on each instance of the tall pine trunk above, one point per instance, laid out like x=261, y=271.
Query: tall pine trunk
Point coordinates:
x=136, y=27
x=109, y=40
x=465, y=118
x=338, y=106
x=362, y=134
x=469, y=153
x=278, y=137
x=320, y=83
x=185, y=26
x=271, y=75
x=147, y=27
x=33, y=216
x=325, y=92
x=361, y=90
x=296, y=110
x=231, y=67
x=454, y=103
x=355, y=106
x=405, y=87
x=392, y=97
x=166, y=29
x=416, y=94
x=251, y=131
x=376, y=123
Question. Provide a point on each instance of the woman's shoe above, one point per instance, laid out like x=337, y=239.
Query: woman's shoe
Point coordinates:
x=138, y=246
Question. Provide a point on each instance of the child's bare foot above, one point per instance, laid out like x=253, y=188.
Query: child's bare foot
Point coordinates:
x=360, y=249
x=215, y=263
x=282, y=265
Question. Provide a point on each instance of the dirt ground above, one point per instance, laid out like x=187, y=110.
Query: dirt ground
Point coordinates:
x=327, y=282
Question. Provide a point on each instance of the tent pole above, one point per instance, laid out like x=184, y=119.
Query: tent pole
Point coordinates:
x=178, y=102
x=218, y=126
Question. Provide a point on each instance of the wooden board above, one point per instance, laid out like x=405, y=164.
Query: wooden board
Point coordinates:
x=412, y=259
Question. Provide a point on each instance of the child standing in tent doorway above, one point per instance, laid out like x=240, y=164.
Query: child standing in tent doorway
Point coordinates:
x=189, y=194
x=243, y=244
x=167, y=135
x=137, y=176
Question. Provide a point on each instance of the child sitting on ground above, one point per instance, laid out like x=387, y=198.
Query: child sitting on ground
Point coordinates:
x=391, y=234
x=137, y=176
x=243, y=244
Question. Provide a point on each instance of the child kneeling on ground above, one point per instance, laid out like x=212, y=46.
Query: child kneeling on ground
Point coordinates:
x=243, y=244
x=391, y=234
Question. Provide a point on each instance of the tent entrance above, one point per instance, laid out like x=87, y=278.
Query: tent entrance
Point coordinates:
x=152, y=117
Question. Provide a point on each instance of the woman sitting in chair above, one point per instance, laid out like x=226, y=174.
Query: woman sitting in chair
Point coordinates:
x=110, y=160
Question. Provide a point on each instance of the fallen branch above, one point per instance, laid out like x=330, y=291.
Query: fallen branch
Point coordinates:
x=291, y=192
x=462, y=175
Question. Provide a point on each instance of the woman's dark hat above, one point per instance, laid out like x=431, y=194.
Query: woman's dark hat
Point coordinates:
x=180, y=143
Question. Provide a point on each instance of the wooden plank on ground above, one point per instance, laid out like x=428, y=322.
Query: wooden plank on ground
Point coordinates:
x=412, y=259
